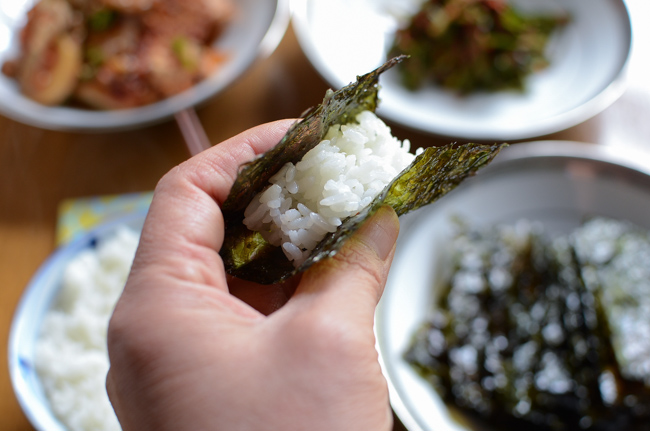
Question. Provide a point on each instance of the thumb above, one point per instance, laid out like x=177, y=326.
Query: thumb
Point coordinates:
x=351, y=282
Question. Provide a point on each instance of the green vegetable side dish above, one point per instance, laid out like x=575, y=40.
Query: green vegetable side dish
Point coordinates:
x=469, y=46
x=247, y=255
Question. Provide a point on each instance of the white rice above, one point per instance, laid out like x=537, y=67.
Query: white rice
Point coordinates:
x=336, y=179
x=71, y=354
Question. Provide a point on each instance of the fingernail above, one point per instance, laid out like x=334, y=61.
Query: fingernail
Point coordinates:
x=380, y=232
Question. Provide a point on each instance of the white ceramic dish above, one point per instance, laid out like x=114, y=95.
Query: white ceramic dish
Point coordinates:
x=255, y=32
x=346, y=38
x=35, y=302
x=557, y=183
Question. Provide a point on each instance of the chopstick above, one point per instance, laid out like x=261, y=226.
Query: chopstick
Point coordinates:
x=192, y=130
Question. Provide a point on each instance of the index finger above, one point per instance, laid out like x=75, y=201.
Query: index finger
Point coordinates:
x=215, y=170
x=184, y=228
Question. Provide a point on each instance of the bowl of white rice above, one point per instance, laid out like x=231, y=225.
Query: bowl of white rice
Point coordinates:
x=58, y=358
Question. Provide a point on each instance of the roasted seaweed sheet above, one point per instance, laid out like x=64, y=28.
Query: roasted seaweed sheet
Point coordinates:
x=432, y=174
x=543, y=334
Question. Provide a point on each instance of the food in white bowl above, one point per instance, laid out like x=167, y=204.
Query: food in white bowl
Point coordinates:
x=478, y=46
x=58, y=356
x=557, y=184
x=108, y=54
x=251, y=32
x=71, y=352
x=587, y=59
x=534, y=331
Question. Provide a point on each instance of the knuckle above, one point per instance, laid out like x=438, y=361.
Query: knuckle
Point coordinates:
x=326, y=334
x=354, y=261
x=172, y=177
x=126, y=344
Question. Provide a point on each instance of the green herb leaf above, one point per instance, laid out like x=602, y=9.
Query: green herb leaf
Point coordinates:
x=102, y=20
x=94, y=56
x=187, y=52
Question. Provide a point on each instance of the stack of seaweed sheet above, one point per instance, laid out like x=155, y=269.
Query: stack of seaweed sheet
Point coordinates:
x=544, y=334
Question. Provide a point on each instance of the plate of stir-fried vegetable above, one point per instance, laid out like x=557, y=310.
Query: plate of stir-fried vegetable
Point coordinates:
x=478, y=69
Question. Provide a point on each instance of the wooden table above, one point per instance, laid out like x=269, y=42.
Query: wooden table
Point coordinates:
x=39, y=169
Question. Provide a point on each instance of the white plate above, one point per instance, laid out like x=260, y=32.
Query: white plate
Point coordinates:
x=346, y=38
x=35, y=302
x=255, y=32
x=557, y=183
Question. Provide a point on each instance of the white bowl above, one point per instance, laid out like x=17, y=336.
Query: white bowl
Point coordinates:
x=346, y=38
x=36, y=300
x=255, y=32
x=556, y=183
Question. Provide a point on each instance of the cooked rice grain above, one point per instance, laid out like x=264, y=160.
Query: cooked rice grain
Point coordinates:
x=335, y=180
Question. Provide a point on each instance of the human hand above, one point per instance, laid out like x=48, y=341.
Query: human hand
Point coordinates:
x=191, y=349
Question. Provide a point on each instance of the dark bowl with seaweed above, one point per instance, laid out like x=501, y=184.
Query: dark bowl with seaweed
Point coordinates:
x=521, y=301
